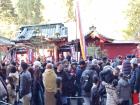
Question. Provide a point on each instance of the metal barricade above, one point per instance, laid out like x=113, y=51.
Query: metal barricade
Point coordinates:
x=73, y=100
x=4, y=103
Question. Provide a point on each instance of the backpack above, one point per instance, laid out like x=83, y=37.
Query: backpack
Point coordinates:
x=87, y=84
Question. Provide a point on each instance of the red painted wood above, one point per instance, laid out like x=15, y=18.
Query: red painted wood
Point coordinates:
x=114, y=50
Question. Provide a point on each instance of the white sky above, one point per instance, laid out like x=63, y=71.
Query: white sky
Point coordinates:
x=106, y=15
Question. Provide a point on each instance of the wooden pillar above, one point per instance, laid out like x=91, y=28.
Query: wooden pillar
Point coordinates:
x=55, y=53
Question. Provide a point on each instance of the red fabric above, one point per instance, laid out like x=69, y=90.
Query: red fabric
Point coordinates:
x=135, y=98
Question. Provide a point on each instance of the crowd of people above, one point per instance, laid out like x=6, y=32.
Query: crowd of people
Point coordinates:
x=92, y=82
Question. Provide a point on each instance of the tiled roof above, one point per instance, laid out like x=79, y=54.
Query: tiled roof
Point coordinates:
x=5, y=41
x=48, y=30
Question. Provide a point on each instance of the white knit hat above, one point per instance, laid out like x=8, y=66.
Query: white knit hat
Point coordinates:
x=134, y=61
x=37, y=63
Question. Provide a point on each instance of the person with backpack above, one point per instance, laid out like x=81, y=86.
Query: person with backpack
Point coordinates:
x=25, y=84
x=86, y=82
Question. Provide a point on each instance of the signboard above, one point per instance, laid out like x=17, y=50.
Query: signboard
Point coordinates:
x=90, y=51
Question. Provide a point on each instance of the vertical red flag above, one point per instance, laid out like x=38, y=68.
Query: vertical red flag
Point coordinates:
x=80, y=32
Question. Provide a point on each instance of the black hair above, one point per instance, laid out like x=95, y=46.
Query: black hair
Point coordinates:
x=24, y=65
x=115, y=82
x=58, y=63
x=13, y=63
x=95, y=79
x=13, y=69
x=82, y=62
x=90, y=58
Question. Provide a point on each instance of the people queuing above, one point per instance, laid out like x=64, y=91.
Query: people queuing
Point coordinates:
x=96, y=81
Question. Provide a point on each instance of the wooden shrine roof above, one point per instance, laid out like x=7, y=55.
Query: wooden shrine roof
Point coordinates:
x=47, y=31
x=5, y=41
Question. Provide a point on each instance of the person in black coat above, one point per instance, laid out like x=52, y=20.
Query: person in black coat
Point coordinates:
x=63, y=74
x=95, y=91
x=37, y=89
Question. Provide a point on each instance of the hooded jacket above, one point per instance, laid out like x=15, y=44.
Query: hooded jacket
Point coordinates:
x=124, y=89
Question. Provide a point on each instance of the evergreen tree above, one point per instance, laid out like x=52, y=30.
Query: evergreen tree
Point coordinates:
x=29, y=11
x=133, y=15
x=7, y=12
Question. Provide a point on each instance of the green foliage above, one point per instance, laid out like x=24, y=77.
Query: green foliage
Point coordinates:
x=29, y=12
x=7, y=12
x=133, y=14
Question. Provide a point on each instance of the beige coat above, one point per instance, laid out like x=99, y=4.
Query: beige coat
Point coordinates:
x=49, y=81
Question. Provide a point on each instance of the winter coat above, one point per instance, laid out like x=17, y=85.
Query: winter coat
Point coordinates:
x=134, y=80
x=37, y=93
x=87, y=75
x=124, y=89
x=72, y=86
x=79, y=72
x=25, y=83
x=126, y=67
x=12, y=94
x=49, y=80
x=95, y=95
x=3, y=90
x=112, y=97
x=15, y=77
x=65, y=84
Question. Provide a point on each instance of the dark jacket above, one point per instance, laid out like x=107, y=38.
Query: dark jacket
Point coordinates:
x=25, y=83
x=79, y=72
x=37, y=93
x=126, y=67
x=87, y=75
x=95, y=95
x=137, y=82
x=64, y=75
x=132, y=80
x=72, y=86
x=124, y=89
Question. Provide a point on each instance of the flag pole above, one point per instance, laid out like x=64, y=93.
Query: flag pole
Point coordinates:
x=80, y=31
